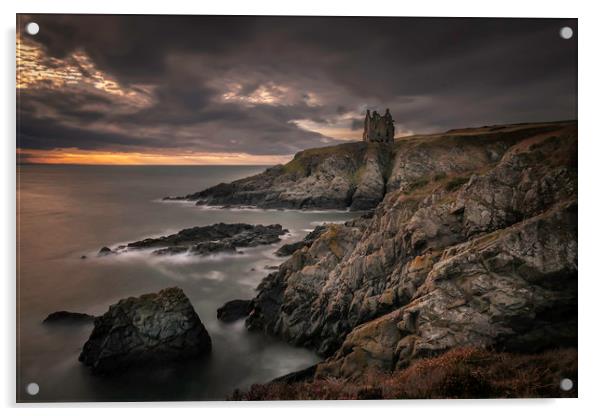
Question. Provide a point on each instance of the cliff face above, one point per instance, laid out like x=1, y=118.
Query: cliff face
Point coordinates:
x=474, y=243
x=350, y=175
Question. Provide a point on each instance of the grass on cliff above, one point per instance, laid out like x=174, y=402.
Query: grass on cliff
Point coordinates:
x=459, y=373
x=304, y=160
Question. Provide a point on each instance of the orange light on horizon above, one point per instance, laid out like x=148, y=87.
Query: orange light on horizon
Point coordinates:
x=88, y=157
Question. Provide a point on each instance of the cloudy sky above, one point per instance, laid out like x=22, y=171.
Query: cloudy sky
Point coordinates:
x=255, y=90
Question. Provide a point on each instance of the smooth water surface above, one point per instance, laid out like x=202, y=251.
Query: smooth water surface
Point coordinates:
x=65, y=212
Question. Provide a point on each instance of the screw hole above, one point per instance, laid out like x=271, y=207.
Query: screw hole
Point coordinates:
x=32, y=389
x=32, y=28
x=566, y=384
x=566, y=32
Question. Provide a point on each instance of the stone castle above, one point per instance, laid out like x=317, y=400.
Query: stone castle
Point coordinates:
x=379, y=129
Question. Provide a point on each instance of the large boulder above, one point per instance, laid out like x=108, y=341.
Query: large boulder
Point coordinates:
x=156, y=327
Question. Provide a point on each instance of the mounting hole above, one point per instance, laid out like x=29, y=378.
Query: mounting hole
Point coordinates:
x=32, y=28
x=32, y=389
x=566, y=384
x=566, y=32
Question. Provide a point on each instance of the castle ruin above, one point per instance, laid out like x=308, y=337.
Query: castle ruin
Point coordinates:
x=379, y=129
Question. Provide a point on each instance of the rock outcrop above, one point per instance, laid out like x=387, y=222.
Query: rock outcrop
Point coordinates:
x=153, y=328
x=234, y=310
x=473, y=244
x=104, y=251
x=322, y=178
x=66, y=317
x=288, y=249
x=209, y=239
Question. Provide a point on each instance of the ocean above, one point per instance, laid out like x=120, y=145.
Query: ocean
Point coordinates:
x=65, y=212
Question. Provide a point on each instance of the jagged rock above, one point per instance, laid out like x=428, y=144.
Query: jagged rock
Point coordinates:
x=270, y=267
x=153, y=328
x=68, y=318
x=105, y=251
x=323, y=178
x=288, y=249
x=234, y=310
x=371, y=179
x=474, y=243
x=210, y=239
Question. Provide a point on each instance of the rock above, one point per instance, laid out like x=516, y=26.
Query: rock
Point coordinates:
x=211, y=239
x=153, y=328
x=289, y=249
x=323, y=178
x=305, y=374
x=68, y=318
x=105, y=251
x=83, y=257
x=234, y=310
x=473, y=244
x=371, y=180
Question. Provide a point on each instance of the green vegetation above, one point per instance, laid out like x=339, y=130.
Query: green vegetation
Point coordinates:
x=304, y=160
x=357, y=175
x=294, y=166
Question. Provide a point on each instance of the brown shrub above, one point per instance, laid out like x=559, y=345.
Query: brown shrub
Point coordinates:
x=459, y=373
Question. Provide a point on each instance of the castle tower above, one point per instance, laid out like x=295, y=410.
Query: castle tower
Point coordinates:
x=377, y=128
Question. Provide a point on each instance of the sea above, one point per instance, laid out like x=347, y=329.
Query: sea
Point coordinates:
x=65, y=212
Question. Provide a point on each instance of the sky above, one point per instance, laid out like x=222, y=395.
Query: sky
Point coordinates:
x=127, y=89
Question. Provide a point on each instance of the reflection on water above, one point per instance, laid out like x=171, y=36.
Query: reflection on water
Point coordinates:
x=69, y=211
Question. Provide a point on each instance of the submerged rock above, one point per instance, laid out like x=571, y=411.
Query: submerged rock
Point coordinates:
x=68, y=318
x=105, y=251
x=153, y=328
x=234, y=310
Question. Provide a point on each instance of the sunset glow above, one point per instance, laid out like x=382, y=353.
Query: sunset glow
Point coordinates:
x=81, y=157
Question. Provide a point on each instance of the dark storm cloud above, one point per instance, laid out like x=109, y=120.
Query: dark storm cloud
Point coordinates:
x=275, y=85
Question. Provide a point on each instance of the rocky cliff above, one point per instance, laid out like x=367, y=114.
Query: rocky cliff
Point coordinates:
x=473, y=242
x=350, y=175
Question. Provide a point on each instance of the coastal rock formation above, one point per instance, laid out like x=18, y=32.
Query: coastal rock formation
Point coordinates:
x=234, y=310
x=104, y=251
x=211, y=239
x=473, y=244
x=152, y=328
x=322, y=178
x=288, y=249
x=66, y=317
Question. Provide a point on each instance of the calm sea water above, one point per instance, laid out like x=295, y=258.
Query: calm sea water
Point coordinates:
x=65, y=212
